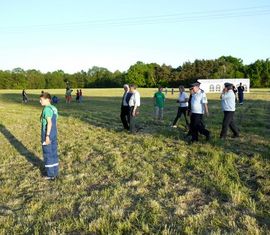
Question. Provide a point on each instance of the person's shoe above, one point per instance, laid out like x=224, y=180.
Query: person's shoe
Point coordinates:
x=174, y=126
x=49, y=178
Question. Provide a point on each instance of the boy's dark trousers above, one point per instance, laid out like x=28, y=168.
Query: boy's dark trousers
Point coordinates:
x=197, y=126
x=125, y=116
x=241, y=97
x=228, y=121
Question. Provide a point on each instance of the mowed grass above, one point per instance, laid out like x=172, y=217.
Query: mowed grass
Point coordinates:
x=153, y=182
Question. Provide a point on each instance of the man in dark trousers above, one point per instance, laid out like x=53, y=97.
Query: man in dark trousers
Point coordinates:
x=228, y=107
x=241, y=90
x=199, y=107
x=125, y=107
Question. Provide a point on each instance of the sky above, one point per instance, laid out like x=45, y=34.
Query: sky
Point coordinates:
x=76, y=35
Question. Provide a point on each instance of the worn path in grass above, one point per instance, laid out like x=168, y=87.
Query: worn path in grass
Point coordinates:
x=153, y=182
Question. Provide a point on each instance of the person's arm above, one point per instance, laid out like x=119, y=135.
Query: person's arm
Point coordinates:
x=205, y=103
x=137, y=103
x=49, y=128
x=206, y=109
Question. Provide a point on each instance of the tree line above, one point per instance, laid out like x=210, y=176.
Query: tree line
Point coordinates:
x=142, y=74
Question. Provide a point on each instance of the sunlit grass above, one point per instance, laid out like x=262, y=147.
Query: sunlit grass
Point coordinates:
x=117, y=183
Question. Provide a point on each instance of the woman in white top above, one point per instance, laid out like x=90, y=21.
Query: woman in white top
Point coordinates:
x=183, y=106
x=134, y=104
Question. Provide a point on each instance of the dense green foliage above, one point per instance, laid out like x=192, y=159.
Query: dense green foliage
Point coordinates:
x=144, y=75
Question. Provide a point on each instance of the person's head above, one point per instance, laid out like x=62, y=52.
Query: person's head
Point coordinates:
x=240, y=83
x=228, y=86
x=181, y=88
x=160, y=89
x=45, y=99
x=126, y=87
x=132, y=88
x=191, y=90
x=195, y=87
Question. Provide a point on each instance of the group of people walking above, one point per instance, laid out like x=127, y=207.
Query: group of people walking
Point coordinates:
x=193, y=107
x=130, y=105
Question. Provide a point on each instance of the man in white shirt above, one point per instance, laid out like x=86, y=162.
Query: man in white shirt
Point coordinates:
x=199, y=107
x=134, y=104
x=228, y=107
x=183, y=106
x=125, y=107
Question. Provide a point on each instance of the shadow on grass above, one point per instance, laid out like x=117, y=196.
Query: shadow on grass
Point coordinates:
x=104, y=112
x=29, y=156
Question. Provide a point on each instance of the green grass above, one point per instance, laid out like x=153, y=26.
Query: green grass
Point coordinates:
x=116, y=183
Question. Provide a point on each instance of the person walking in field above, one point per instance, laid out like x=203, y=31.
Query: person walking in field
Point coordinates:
x=68, y=95
x=159, y=100
x=199, y=107
x=125, y=110
x=48, y=120
x=80, y=96
x=24, y=96
x=183, y=107
x=134, y=104
x=240, y=91
x=228, y=108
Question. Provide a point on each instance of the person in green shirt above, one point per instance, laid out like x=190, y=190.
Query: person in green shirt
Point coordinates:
x=48, y=120
x=159, y=100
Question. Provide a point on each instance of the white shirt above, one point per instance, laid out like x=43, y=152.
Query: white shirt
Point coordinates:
x=135, y=99
x=228, y=101
x=198, y=101
x=182, y=97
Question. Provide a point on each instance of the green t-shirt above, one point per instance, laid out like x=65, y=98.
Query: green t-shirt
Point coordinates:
x=160, y=98
x=48, y=111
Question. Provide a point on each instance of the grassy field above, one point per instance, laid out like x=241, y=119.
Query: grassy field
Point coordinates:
x=115, y=183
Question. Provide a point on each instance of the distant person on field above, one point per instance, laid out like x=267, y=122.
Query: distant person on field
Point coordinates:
x=24, y=96
x=159, y=100
x=241, y=90
x=183, y=107
x=172, y=91
x=125, y=110
x=55, y=100
x=166, y=90
x=199, y=107
x=134, y=104
x=228, y=107
x=68, y=95
x=48, y=118
x=81, y=96
x=78, y=96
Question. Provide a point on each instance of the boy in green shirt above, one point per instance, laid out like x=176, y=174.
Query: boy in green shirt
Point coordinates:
x=159, y=99
x=48, y=120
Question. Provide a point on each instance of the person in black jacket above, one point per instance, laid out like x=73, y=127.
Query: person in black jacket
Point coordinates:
x=241, y=90
x=125, y=109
